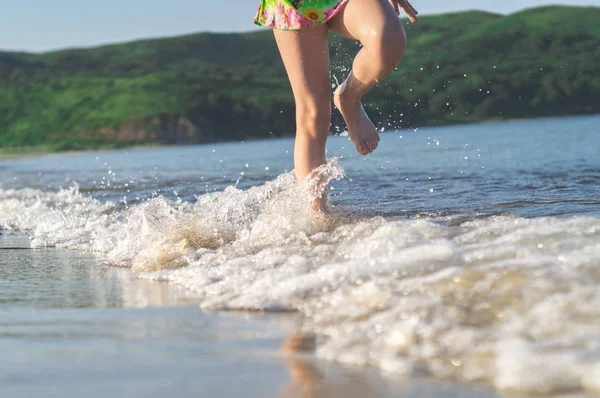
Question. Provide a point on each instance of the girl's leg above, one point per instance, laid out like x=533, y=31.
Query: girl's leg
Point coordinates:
x=305, y=54
x=376, y=25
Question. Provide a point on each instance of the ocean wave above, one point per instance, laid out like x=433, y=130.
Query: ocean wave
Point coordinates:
x=499, y=299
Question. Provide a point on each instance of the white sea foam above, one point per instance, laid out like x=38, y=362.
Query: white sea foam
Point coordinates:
x=510, y=301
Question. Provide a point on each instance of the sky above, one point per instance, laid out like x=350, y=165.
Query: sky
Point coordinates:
x=42, y=25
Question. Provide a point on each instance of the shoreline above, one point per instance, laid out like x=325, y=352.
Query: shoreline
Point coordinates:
x=397, y=279
x=35, y=152
x=38, y=154
x=234, y=345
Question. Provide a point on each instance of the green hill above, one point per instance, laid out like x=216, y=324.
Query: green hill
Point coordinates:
x=460, y=67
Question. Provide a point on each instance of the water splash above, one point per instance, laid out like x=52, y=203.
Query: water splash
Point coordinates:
x=504, y=300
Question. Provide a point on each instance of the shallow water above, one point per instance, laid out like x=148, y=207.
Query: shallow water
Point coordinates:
x=469, y=252
x=70, y=326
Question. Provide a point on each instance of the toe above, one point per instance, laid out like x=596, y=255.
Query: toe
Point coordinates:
x=362, y=150
x=367, y=146
x=371, y=143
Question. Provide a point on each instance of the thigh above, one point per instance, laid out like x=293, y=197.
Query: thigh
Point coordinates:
x=367, y=19
x=305, y=54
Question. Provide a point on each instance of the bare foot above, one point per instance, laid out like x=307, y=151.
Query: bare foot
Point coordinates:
x=318, y=189
x=360, y=128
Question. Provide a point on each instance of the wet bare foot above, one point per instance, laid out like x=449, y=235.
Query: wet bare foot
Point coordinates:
x=318, y=189
x=319, y=206
x=360, y=128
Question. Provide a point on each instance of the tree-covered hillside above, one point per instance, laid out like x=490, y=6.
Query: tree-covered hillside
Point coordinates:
x=461, y=67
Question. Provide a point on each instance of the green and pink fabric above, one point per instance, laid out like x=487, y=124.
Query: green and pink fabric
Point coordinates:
x=296, y=14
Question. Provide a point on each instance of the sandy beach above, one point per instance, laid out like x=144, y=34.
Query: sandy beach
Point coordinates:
x=91, y=330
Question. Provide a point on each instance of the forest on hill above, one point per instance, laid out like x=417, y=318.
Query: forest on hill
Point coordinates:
x=459, y=68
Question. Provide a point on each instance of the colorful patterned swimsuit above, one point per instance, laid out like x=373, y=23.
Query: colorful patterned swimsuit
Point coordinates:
x=296, y=14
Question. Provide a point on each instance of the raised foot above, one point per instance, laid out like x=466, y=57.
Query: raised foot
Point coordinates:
x=361, y=129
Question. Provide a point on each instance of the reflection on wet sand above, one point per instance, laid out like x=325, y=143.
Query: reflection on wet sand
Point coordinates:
x=310, y=379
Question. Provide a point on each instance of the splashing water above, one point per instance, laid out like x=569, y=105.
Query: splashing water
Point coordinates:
x=500, y=299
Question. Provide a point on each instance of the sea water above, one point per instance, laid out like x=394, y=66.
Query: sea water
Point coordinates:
x=468, y=253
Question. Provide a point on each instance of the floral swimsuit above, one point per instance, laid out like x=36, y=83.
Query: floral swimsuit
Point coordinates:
x=296, y=14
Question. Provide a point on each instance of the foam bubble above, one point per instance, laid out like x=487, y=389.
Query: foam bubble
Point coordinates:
x=509, y=301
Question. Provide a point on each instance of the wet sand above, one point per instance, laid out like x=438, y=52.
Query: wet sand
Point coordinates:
x=69, y=326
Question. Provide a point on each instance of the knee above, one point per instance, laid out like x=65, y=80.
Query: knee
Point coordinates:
x=394, y=44
x=389, y=45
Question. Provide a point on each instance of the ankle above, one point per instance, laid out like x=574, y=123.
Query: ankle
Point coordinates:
x=346, y=98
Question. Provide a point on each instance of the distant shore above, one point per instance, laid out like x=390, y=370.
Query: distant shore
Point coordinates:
x=46, y=150
x=33, y=152
x=206, y=87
